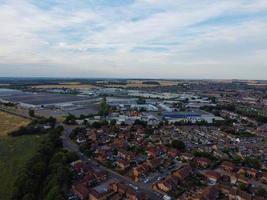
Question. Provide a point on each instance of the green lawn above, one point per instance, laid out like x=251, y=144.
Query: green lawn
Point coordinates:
x=14, y=153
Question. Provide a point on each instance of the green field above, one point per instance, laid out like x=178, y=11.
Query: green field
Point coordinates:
x=14, y=153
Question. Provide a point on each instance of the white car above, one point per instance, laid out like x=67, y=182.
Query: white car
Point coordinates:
x=146, y=181
x=166, y=197
x=134, y=187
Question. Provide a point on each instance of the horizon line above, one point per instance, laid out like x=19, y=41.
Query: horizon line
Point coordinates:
x=129, y=78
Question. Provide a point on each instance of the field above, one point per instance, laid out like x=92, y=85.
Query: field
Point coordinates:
x=140, y=84
x=9, y=123
x=73, y=85
x=14, y=153
x=129, y=84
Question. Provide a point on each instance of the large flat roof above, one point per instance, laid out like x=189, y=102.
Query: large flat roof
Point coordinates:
x=181, y=114
x=39, y=98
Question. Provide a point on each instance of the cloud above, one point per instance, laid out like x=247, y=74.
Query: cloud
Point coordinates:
x=141, y=38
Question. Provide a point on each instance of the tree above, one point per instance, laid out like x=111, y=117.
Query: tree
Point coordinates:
x=51, y=121
x=53, y=193
x=47, y=164
x=179, y=145
x=29, y=196
x=213, y=99
x=252, y=162
x=202, y=123
x=31, y=113
x=242, y=186
x=113, y=122
x=261, y=192
x=104, y=108
x=140, y=122
x=70, y=119
x=76, y=131
x=204, y=154
x=141, y=101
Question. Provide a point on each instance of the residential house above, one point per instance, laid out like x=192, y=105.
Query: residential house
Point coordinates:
x=140, y=170
x=154, y=163
x=248, y=172
x=127, y=155
x=264, y=177
x=133, y=195
x=212, y=176
x=186, y=156
x=203, y=162
x=234, y=193
x=101, y=175
x=209, y=193
x=173, y=153
x=228, y=166
x=244, y=180
x=96, y=195
x=122, y=164
x=168, y=184
x=183, y=172
x=89, y=180
x=81, y=191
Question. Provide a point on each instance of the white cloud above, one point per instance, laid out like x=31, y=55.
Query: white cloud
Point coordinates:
x=147, y=38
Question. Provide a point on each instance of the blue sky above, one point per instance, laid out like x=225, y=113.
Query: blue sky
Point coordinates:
x=134, y=38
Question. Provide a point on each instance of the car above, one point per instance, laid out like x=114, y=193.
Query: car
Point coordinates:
x=166, y=197
x=133, y=186
x=146, y=180
x=158, y=194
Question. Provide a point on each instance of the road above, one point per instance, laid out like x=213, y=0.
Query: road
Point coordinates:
x=71, y=146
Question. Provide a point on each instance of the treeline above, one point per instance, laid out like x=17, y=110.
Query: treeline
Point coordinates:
x=205, y=155
x=71, y=119
x=8, y=104
x=46, y=174
x=35, y=127
x=151, y=83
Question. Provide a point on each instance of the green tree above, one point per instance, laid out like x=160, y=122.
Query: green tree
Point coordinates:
x=104, y=108
x=29, y=196
x=141, y=101
x=113, y=122
x=53, y=193
x=252, y=162
x=261, y=192
x=140, y=122
x=242, y=186
x=178, y=144
x=31, y=113
x=70, y=119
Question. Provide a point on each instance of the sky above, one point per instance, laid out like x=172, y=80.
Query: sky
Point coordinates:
x=191, y=39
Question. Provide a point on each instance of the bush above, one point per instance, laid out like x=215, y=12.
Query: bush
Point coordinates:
x=204, y=154
x=70, y=120
x=179, y=145
x=29, y=130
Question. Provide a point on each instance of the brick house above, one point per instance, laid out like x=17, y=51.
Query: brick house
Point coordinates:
x=183, y=172
x=81, y=191
x=228, y=166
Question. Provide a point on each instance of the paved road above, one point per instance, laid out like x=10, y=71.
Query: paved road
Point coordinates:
x=70, y=145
